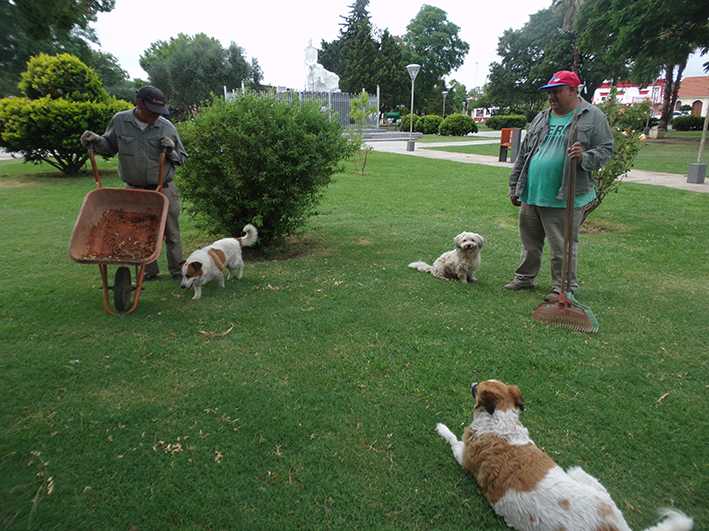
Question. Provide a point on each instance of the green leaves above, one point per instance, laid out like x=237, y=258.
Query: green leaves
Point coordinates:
x=63, y=99
x=259, y=160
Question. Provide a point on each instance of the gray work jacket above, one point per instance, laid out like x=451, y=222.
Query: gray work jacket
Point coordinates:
x=595, y=137
x=139, y=150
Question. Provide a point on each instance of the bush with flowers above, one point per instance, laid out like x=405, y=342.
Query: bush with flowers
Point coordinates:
x=626, y=123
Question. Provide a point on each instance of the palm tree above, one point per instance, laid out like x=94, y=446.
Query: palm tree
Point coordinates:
x=570, y=8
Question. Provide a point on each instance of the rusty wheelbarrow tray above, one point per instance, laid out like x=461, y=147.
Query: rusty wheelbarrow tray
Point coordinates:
x=123, y=227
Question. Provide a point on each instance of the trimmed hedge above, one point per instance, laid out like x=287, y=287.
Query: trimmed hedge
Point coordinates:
x=404, y=124
x=511, y=120
x=687, y=123
x=429, y=124
x=457, y=125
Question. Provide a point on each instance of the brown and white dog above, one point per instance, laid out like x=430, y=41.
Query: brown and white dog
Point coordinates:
x=523, y=484
x=460, y=264
x=209, y=263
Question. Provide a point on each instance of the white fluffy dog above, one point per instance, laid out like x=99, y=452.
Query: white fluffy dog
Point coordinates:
x=460, y=263
x=523, y=484
x=209, y=263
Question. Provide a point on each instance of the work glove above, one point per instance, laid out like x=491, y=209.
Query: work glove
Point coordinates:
x=168, y=144
x=89, y=137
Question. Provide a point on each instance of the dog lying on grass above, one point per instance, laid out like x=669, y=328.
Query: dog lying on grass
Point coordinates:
x=523, y=484
x=209, y=263
x=460, y=263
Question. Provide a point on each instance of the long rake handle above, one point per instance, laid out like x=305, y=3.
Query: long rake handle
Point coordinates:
x=567, y=257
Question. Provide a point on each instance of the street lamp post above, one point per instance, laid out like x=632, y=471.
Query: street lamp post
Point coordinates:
x=444, y=93
x=413, y=70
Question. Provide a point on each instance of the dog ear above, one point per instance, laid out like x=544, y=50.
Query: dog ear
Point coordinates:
x=480, y=241
x=182, y=263
x=487, y=400
x=517, y=397
x=457, y=240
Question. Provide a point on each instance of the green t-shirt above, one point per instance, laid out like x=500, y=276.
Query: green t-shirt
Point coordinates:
x=546, y=169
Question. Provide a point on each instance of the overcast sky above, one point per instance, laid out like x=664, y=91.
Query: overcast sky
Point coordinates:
x=276, y=32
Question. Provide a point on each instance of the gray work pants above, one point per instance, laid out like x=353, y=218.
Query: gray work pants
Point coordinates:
x=536, y=224
x=173, y=243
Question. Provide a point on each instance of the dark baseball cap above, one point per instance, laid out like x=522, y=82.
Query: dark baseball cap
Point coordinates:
x=561, y=78
x=153, y=99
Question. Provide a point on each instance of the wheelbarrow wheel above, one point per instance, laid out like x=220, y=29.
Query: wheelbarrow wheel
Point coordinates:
x=122, y=289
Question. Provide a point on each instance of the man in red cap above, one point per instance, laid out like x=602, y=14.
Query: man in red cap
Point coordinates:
x=138, y=136
x=539, y=182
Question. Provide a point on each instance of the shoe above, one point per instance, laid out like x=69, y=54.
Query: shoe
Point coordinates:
x=177, y=277
x=513, y=286
x=551, y=296
x=148, y=278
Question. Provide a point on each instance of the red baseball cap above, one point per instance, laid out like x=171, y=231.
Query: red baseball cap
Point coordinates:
x=561, y=78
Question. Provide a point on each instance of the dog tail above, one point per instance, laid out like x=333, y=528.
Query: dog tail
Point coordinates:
x=672, y=521
x=421, y=266
x=251, y=236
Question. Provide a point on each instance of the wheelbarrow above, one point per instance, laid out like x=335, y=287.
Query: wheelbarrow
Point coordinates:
x=122, y=227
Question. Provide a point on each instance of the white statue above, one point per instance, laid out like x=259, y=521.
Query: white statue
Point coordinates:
x=317, y=79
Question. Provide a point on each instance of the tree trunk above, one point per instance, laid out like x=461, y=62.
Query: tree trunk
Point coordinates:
x=666, y=98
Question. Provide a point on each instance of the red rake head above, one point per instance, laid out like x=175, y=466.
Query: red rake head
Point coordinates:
x=562, y=311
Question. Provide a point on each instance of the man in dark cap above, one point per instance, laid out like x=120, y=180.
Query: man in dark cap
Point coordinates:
x=539, y=182
x=138, y=136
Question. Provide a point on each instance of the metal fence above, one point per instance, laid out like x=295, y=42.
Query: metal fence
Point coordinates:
x=336, y=103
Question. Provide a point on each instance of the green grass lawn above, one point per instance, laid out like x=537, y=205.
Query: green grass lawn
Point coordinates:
x=318, y=410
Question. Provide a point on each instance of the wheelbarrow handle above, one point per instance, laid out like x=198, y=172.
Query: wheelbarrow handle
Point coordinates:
x=161, y=167
x=90, y=146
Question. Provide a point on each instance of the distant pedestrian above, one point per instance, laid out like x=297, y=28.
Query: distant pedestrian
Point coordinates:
x=138, y=137
x=539, y=182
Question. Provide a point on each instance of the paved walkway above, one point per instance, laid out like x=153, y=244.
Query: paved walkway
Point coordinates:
x=671, y=180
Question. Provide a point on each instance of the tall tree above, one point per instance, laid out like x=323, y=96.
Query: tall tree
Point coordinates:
x=187, y=69
x=29, y=27
x=434, y=43
x=570, y=9
x=390, y=73
x=532, y=54
x=650, y=36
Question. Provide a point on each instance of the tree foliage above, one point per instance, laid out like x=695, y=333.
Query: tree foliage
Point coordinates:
x=649, y=36
x=188, y=69
x=259, y=160
x=28, y=28
x=365, y=60
x=434, y=43
x=62, y=99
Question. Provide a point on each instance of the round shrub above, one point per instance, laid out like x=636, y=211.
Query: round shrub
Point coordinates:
x=260, y=160
x=430, y=124
x=505, y=121
x=687, y=123
x=457, y=125
x=405, y=124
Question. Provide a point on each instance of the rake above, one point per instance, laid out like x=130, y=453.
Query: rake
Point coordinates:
x=564, y=310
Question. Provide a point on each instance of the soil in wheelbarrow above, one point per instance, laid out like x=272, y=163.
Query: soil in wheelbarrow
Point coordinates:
x=122, y=236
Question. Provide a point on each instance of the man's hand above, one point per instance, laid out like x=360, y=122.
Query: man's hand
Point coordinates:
x=576, y=152
x=89, y=137
x=515, y=201
x=168, y=144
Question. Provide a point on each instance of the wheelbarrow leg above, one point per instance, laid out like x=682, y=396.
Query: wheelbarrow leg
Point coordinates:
x=104, y=280
x=139, y=274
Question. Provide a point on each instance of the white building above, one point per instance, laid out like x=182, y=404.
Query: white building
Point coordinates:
x=693, y=91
